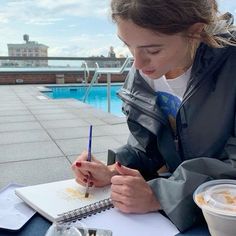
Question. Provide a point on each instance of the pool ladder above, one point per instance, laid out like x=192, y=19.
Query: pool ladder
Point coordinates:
x=86, y=72
x=108, y=71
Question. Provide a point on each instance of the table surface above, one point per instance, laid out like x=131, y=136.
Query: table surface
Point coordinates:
x=38, y=226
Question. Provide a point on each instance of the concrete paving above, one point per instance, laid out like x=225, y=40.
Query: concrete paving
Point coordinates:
x=40, y=138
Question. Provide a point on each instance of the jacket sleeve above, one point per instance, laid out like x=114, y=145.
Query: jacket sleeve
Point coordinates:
x=134, y=156
x=230, y=150
x=230, y=147
x=175, y=194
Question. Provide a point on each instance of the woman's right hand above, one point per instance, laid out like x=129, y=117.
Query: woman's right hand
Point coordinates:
x=95, y=171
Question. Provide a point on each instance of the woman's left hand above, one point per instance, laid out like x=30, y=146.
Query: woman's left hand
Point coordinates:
x=131, y=193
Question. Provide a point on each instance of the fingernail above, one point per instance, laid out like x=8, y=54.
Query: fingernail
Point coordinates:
x=90, y=184
x=78, y=164
x=85, y=180
x=118, y=163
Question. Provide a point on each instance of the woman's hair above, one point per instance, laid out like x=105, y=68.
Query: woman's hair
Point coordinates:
x=177, y=16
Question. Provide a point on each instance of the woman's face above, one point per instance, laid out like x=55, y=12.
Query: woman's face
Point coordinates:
x=154, y=54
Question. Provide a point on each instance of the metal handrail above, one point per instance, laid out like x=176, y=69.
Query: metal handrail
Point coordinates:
x=61, y=58
x=86, y=72
x=100, y=71
x=98, y=76
x=95, y=75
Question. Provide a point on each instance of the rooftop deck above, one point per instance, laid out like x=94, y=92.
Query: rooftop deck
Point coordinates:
x=40, y=138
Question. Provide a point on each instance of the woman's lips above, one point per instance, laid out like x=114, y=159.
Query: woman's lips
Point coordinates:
x=148, y=72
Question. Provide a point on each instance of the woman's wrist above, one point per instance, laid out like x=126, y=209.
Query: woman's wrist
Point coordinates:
x=155, y=204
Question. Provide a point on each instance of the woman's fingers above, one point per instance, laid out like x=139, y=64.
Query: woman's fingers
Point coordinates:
x=79, y=181
x=99, y=173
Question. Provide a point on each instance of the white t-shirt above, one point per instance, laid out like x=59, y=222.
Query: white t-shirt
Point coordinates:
x=175, y=86
x=169, y=94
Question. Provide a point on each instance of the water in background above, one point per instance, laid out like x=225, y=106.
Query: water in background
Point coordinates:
x=96, y=98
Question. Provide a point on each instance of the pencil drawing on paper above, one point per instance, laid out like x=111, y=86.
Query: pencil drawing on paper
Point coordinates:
x=76, y=193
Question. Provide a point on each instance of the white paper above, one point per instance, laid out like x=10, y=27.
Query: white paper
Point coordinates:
x=131, y=224
x=14, y=213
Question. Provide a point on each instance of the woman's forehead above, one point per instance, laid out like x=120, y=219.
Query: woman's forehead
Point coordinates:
x=131, y=33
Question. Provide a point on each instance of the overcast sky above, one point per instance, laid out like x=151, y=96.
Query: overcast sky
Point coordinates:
x=68, y=27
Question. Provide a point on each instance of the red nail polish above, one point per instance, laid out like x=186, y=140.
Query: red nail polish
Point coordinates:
x=118, y=163
x=78, y=164
x=85, y=180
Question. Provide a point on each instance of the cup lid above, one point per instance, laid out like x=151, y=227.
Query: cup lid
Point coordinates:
x=218, y=196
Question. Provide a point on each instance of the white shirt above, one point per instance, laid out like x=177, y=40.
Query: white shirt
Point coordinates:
x=175, y=86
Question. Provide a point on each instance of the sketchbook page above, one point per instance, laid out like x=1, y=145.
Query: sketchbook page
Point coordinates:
x=52, y=199
x=14, y=213
x=132, y=224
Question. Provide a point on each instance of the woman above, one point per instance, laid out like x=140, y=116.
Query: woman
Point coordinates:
x=179, y=99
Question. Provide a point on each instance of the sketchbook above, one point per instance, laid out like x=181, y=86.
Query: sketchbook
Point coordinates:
x=64, y=201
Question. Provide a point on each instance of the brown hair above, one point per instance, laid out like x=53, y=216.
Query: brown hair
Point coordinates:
x=176, y=16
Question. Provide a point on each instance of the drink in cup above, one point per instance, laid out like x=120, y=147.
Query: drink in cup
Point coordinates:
x=217, y=199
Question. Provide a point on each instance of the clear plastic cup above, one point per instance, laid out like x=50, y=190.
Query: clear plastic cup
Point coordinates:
x=68, y=229
x=217, y=199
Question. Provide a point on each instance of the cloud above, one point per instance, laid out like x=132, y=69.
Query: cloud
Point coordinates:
x=3, y=18
x=41, y=21
x=54, y=23
x=82, y=8
x=68, y=27
x=44, y=12
x=83, y=45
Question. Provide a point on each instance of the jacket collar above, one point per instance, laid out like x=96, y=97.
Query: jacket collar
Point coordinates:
x=207, y=61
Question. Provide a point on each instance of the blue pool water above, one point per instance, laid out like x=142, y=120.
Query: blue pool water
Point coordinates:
x=97, y=96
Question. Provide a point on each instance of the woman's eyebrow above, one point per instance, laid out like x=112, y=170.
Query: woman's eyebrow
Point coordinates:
x=142, y=46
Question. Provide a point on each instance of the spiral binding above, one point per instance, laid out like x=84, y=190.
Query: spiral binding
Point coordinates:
x=85, y=211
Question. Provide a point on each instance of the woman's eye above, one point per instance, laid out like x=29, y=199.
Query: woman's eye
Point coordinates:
x=153, y=52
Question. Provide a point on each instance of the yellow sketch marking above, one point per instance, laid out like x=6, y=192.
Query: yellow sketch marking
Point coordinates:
x=75, y=193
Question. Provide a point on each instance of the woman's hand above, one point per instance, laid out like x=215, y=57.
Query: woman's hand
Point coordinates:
x=131, y=193
x=96, y=172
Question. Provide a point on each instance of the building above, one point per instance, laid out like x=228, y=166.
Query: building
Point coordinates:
x=111, y=53
x=107, y=62
x=28, y=49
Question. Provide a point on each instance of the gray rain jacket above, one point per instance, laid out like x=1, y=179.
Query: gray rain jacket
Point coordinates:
x=204, y=146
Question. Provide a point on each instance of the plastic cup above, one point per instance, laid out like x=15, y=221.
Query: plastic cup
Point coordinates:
x=67, y=229
x=217, y=199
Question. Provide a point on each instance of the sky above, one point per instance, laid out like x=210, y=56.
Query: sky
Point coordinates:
x=68, y=27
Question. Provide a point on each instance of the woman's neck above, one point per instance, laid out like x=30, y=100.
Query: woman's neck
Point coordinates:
x=172, y=74
x=181, y=70
x=175, y=73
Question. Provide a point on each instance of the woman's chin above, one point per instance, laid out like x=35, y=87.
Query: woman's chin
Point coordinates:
x=153, y=76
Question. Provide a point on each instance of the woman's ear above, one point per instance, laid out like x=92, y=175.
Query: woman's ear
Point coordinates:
x=195, y=30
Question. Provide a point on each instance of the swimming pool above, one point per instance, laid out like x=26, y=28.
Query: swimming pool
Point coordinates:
x=97, y=96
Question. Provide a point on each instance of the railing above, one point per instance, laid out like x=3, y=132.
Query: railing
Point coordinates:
x=62, y=58
x=86, y=72
x=108, y=72
x=99, y=75
x=82, y=66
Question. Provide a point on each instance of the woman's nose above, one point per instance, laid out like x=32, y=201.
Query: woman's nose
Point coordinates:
x=140, y=60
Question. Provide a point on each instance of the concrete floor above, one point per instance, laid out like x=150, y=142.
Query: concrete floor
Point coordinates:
x=40, y=138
